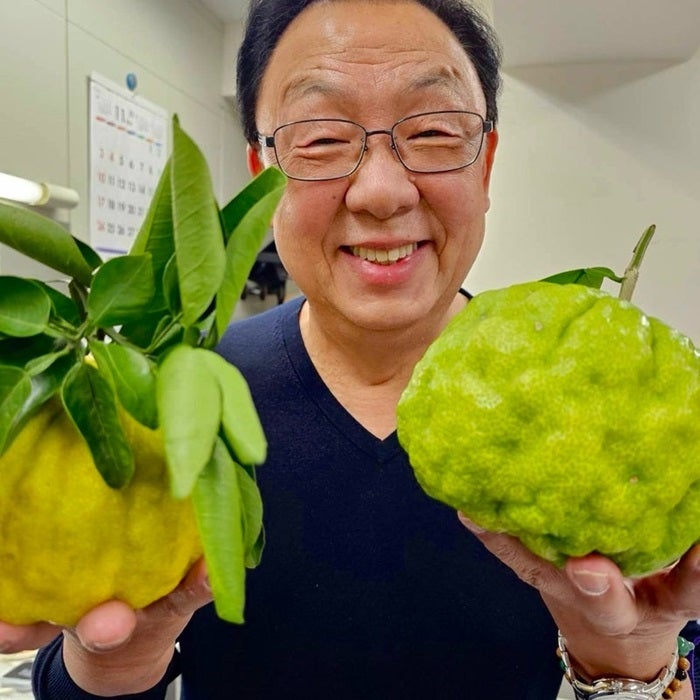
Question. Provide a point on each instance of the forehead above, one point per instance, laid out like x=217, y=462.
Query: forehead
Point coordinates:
x=355, y=53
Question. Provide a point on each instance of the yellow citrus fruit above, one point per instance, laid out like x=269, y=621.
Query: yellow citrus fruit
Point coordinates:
x=565, y=417
x=69, y=541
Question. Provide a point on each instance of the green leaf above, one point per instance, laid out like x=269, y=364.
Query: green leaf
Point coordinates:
x=18, y=351
x=38, y=365
x=156, y=234
x=90, y=402
x=25, y=307
x=91, y=256
x=44, y=240
x=267, y=181
x=78, y=295
x=122, y=290
x=155, y=332
x=588, y=277
x=43, y=387
x=246, y=237
x=63, y=306
x=217, y=504
x=189, y=413
x=199, y=241
x=253, y=534
x=166, y=336
x=171, y=289
x=15, y=388
x=239, y=418
x=132, y=376
x=204, y=328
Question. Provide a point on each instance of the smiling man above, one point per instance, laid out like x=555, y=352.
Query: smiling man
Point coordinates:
x=382, y=114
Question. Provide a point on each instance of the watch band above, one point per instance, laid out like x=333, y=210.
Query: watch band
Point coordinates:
x=627, y=688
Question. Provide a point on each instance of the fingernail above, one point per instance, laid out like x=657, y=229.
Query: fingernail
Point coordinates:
x=469, y=524
x=591, y=582
x=106, y=646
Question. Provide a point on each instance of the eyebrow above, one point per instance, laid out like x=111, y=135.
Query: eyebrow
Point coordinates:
x=442, y=76
x=308, y=85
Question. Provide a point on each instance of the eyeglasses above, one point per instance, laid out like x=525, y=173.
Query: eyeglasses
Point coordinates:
x=328, y=149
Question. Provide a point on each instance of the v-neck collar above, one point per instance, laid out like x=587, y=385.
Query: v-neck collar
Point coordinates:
x=382, y=450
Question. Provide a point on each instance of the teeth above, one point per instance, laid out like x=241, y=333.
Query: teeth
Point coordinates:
x=384, y=257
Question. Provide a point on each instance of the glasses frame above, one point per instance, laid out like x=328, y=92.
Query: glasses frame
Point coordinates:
x=268, y=141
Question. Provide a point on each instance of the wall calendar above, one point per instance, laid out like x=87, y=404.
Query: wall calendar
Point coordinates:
x=128, y=150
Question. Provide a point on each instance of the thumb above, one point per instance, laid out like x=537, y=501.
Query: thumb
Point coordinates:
x=106, y=627
x=112, y=624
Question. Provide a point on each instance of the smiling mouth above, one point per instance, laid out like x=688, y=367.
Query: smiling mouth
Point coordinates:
x=383, y=256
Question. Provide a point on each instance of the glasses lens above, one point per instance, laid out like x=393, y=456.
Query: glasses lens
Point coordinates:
x=319, y=149
x=439, y=141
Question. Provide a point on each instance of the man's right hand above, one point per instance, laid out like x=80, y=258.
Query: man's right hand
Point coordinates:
x=115, y=650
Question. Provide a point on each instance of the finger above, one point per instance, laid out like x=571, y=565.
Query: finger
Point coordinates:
x=530, y=568
x=683, y=585
x=14, y=638
x=193, y=592
x=600, y=593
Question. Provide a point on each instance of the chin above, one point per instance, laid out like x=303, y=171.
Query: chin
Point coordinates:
x=384, y=316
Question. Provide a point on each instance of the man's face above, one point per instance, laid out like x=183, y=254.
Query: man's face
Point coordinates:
x=382, y=248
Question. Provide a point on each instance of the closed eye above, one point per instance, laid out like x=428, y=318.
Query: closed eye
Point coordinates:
x=429, y=133
x=326, y=141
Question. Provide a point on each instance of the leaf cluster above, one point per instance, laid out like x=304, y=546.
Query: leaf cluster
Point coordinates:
x=137, y=333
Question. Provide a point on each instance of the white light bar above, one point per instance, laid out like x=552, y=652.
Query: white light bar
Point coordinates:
x=37, y=194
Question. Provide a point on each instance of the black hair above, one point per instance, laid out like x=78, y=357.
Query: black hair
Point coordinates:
x=268, y=19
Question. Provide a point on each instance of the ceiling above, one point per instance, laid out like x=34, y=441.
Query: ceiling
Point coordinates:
x=576, y=31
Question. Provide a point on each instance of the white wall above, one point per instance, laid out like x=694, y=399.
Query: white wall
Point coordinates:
x=590, y=155
x=48, y=48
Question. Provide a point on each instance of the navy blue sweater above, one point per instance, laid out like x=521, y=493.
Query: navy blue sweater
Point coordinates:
x=367, y=587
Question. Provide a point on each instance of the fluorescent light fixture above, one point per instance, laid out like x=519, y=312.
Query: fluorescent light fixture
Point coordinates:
x=37, y=194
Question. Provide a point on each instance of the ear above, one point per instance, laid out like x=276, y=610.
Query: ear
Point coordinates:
x=255, y=166
x=489, y=155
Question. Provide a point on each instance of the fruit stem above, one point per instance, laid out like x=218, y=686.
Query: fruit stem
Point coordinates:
x=629, y=279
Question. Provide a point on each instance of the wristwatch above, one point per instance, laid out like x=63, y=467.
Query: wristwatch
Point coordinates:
x=619, y=688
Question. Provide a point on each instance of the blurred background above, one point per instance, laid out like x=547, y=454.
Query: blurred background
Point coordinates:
x=598, y=126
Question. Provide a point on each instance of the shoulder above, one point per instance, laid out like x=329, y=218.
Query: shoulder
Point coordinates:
x=257, y=337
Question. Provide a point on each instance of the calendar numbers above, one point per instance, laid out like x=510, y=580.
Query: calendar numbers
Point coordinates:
x=128, y=151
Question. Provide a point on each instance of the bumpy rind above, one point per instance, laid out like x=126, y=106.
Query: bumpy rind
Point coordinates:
x=69, y=541
x=561, y=415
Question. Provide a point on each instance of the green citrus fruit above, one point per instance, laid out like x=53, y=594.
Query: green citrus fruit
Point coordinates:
x=563, y=416
x=69, y=541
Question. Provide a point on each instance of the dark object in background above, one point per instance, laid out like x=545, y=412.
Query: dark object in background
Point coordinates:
x=267, y=276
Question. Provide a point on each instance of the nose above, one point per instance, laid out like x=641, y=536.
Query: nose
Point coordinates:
x=381, y=185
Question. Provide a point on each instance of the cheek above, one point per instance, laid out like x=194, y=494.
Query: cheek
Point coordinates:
x=303, y=220
x=460, y=207
x=460, y=204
